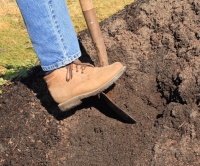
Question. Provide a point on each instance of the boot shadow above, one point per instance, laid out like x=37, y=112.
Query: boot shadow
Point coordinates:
x=34, y=81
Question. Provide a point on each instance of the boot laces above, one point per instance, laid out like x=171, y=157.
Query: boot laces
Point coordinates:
x=76, y=63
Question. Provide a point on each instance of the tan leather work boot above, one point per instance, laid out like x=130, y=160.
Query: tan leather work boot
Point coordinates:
x=69, y=85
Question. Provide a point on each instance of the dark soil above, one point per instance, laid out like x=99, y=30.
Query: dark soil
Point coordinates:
x=159, y=42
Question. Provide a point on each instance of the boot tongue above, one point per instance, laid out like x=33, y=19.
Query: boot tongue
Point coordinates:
x=76, y=63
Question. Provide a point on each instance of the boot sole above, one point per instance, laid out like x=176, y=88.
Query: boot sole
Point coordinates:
x=65, y=106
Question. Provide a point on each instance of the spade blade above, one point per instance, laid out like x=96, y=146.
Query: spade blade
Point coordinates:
x=123, y=114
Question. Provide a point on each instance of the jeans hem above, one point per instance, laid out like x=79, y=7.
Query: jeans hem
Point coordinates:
x=62, y=63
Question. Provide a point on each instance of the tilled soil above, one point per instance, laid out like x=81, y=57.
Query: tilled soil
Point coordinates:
x=158, y=41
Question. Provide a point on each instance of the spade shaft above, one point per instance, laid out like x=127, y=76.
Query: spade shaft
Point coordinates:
x=96, y=35
x=94, y=29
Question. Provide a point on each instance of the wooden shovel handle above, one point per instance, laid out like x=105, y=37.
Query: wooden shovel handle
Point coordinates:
x=86, y=5
x=94, y=29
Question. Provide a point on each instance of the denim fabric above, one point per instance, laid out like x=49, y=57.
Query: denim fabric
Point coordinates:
x=51, y=32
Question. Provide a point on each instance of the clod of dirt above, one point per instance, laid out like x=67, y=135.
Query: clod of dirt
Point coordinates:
x=159, y=42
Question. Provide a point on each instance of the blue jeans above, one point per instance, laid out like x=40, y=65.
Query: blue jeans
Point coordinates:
x=51, y=32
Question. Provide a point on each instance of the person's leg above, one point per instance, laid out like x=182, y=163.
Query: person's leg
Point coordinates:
x=51, y=32
x=56, y=45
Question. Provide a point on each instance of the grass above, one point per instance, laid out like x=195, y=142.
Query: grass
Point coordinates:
x=16, y=51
